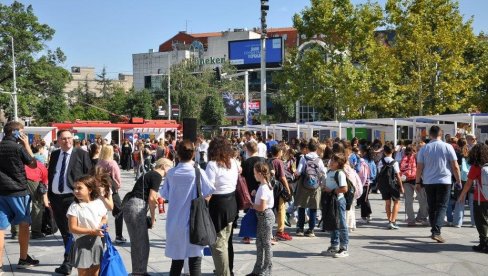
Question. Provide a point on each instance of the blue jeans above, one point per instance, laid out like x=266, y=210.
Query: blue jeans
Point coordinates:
x=455, y=212
x=311, y=220
x=340, y=237
x=437, y=198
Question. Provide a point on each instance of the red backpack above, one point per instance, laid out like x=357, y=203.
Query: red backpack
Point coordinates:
x=408, y=167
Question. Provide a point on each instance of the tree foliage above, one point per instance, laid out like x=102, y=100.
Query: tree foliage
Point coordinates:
x=412, y=57
x=38, y=71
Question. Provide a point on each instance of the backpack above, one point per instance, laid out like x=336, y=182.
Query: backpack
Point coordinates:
x=171, y=153
x=408, y=167
x=351, y=189
x=373, y=171
x=386, y=177
x=364, y=172
x=312, y=175
x=483, y=186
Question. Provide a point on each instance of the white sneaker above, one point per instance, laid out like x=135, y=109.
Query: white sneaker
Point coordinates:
x=394, y=226
x=389, y=226
x=341, y=254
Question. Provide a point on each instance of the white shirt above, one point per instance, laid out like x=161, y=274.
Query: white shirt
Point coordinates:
x=331, y=181
x=264, y=193
x=224, y=180
x=262, y=149
x=89, y=214
x=202, y=147
x=67, y=190
x=396, y=167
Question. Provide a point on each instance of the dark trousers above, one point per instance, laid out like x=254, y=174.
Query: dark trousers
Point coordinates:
x=195, y=264
x=311, y=220
x=481, y=220
x=60, y=205
x=363, y=201
x=119, y=219
x=437, y=199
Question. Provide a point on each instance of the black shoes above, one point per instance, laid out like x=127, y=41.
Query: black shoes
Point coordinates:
x=28, y=262
x=64, y=269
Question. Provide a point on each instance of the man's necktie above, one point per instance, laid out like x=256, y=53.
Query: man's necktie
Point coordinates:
x=61, y=173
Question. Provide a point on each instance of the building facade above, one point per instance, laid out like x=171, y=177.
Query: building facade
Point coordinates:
x=86, y=75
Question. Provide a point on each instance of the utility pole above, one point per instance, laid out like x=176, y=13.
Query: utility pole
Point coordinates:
x=264, y=12
x=170, y=54
x=14, y=93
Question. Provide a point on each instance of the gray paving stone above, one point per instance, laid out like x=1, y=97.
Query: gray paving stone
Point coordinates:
x=374, y=250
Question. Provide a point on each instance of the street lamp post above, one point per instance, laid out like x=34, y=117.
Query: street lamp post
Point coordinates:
x=14, y=93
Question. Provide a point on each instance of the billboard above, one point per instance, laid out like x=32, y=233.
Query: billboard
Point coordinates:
x=246, y=54
x=234, y=104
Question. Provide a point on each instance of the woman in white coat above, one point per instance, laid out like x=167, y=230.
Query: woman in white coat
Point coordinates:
x=179, y=189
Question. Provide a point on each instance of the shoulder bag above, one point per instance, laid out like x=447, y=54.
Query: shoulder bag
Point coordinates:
x=202, y=229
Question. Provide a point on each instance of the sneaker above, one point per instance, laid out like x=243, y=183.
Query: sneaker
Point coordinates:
x=14, y=236
x=389, y=225
x=246, y=240
x=283, y=236
x=309, y=233
x=35, y=236
x=438, y=238
x=457, y=226
x=120, y=240
x=394, y=226
x=364, y=220
x=299, y=232
x=27, y=262
x=331, y=251
x=341, y=254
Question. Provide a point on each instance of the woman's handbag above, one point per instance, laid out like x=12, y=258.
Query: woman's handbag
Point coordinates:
x=202, y=229
x=112, y=263
x=243, y=197
x=249, y=224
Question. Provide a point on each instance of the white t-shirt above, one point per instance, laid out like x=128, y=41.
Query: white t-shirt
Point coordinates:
x=264, y=193
x=331, y=183
x=262, y=149
x=396, y=167
x=223, y=179
x=89, y=214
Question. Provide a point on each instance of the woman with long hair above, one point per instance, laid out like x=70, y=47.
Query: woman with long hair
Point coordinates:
x=478, y=157
x=222, y=171
x=107, y=162
x=143, y=196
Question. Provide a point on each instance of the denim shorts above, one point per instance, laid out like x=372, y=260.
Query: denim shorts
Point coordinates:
x=14, y=210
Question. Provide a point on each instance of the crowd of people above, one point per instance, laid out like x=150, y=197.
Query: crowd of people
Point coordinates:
x=312, y=185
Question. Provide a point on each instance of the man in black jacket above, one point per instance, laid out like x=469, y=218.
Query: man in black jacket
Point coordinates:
x=15, y=152
x=66, y=165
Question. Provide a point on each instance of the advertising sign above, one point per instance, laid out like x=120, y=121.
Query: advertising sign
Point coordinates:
x=246, y=54
x=234, y=104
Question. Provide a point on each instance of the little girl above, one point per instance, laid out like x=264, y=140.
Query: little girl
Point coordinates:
x=339, y=239
x=85, y=218
x=263, y=204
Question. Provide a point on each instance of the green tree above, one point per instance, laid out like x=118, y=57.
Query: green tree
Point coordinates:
x=139, y=104
x=430, y=42
x=477, y=55
x=104, y=83
x=333, y=72
x=39, y=76
x=213, y=111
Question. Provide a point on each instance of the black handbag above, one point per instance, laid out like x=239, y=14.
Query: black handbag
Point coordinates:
x=202, y=229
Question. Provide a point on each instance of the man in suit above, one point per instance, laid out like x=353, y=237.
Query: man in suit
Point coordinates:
x=66, y=165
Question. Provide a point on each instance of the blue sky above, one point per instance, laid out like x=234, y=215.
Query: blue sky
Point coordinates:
x=107, y=32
